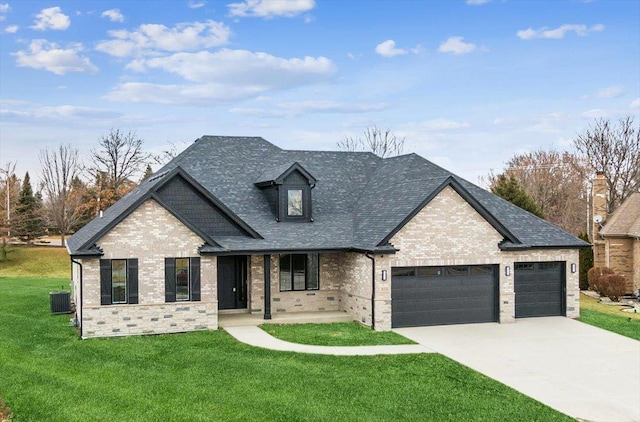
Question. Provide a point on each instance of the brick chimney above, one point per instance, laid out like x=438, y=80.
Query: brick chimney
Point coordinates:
x=598, y=217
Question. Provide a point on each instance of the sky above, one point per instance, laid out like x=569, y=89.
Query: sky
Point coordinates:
x=467, y=83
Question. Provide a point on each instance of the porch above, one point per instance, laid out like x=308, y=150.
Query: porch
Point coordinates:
x=241, y=319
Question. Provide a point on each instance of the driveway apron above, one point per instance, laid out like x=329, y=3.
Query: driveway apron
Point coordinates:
x=580, y=370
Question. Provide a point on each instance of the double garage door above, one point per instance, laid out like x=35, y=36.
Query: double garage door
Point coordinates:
x=469, y=294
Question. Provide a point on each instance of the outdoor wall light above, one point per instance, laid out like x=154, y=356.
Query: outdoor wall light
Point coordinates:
x=507, y=271
x=573, y=268
x=384, y=275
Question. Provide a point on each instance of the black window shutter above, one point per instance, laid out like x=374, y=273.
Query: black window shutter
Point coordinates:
x=132, y=280
x=105, y=282
x=170, y=279
x=195, y=278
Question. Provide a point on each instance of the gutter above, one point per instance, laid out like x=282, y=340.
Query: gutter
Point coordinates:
x=80, y=287
x=373, y=289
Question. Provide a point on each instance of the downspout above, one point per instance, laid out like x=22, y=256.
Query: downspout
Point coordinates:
x=373, y=289
x=80, y=287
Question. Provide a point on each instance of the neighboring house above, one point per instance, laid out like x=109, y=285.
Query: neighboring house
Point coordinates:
x=617, y=236
x=239, y=225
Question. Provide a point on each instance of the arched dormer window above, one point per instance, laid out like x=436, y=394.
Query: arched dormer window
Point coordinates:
x=289, y=189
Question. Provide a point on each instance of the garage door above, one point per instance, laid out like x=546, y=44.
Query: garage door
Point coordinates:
x=539, y=288
x=443, y=295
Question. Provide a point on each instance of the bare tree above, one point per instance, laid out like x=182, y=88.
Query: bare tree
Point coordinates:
x=11, y=182
x=120, y=156
x=59, y=168
x=381, y=142
x=557, y=184
x=615, y=150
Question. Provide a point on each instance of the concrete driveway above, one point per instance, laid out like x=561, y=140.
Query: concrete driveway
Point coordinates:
x=578, y=369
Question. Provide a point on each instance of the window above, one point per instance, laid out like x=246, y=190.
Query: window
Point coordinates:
x=118, y=281
x=294, y=203
x=429, y=271
x=403, y=272
x=299, y=272
x=482, y=270
x=523, y=266
x=456, y=271
x=182, y=279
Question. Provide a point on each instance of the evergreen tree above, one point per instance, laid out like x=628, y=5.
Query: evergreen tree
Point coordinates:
x=29, y=224
x=508, y=187
x=147, y=173
x=586, y=262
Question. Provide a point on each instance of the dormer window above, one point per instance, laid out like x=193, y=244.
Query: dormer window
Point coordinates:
x=294, y=203
x=288, y=191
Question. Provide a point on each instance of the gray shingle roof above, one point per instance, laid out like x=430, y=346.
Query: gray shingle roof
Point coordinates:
x=359, y=198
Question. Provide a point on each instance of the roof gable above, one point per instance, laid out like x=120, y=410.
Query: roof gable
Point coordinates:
x=169, y=189
x=625, y=221
x=278, y=174
x=473, y=202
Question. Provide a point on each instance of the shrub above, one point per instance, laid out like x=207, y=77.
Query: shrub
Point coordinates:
x=594, y=276
x=613, y=286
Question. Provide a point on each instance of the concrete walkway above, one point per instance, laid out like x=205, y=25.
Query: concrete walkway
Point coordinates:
x=257, y=337
x=581, y=370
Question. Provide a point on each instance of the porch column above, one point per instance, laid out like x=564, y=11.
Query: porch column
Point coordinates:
x=267, y=286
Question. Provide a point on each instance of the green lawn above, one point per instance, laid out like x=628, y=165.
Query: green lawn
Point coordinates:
x=609, y=317
x=38, y=261
x=618, y=324
x=336, y=334
x=47, y=374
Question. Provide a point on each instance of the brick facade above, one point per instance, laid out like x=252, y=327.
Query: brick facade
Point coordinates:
x=448, y=231
x=150, y=234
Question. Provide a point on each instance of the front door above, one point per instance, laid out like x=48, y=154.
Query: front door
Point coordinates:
x=232, y=282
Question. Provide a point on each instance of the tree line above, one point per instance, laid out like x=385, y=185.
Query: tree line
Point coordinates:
x=555, y=184
x=70, y=192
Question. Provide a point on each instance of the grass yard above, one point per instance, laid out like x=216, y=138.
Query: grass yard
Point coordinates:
x=609, y=317
x=336, y=334
x=42, y=261
x=47, y=374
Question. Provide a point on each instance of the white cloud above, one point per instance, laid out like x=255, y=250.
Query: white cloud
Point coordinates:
x=222, y=76
x=11, y=29
x=196, y=5
x=388, y=49
x=198, y=94
x=113, y=14
x=269, y=8
x=477, y=2
x=635, y=103
x=51, y=18
x=149, y=38
x=610, y=92
x=559, y=32
x=19, y=112
x=49, y=56
x=456, y=45
x=244, y=67
x=4, y=7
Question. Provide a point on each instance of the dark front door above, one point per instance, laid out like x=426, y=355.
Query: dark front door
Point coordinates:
x=232, y=282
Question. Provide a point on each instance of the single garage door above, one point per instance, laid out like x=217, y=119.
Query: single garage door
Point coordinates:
x=443, y=295
x=540, y=289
